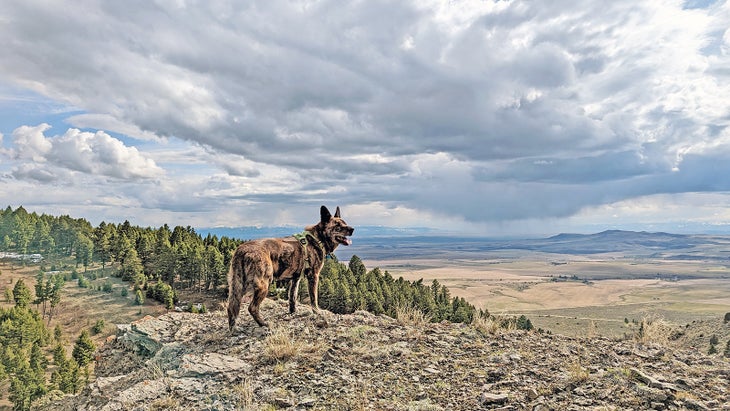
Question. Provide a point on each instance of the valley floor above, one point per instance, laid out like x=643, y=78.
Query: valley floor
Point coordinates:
x=573, y=295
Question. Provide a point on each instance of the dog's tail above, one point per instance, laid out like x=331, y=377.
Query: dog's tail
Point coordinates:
x=236, y=281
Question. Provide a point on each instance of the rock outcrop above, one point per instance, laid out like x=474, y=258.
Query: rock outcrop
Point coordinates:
x=325, y=361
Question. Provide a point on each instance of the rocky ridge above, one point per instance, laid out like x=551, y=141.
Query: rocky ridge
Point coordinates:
x=323, y=361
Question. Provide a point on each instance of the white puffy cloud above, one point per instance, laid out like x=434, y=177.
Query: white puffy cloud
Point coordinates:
x=96, y=154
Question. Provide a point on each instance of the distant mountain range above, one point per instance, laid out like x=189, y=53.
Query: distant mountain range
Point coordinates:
x=388, y=242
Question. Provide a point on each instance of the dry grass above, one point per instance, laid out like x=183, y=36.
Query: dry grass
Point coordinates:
x=280, y=346
x=576, y=373
x=654, y=330
x=412, y=316
x=487, y=325
x=153, y=370
x=243, y=392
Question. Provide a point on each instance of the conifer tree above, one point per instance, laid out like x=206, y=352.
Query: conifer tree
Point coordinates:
x=40, y=292
x=57, y=333
x=66, y=377
x=139, y=297
x=357, y=267
x=83, y=351
x=21, y=294
x=131, y=268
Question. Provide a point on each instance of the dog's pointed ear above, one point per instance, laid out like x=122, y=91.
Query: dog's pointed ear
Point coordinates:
x=337, y=212
x=324, y=214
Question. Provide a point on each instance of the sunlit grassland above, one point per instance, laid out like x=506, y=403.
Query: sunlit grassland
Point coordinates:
x=574, y=294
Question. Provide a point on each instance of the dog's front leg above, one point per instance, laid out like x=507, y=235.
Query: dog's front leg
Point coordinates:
x=313, y=282
x=293, y=293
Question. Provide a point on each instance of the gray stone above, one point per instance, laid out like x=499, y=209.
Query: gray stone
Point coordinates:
x=487, y=398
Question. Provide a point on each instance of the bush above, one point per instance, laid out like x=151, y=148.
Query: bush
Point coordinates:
x=524, y=323
x=727, y=318
x=163, y=293
x=98, y=328
x=83, y=282
x=107, y=287
x=125, y=291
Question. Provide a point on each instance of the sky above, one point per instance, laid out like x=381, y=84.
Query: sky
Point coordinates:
x=494, y=118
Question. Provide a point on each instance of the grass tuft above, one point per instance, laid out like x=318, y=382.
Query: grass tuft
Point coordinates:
x=279, y=346
x=407, y=315
x=654, y=330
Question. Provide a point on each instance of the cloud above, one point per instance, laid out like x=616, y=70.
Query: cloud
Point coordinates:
x=96, y=154
x=110, y=123
x=480, y=111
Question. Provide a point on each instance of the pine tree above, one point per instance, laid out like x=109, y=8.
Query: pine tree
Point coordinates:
x=84, y=249
x=38, y=361
x=66, y=377
x=131, y=268
x=41, y=297
x=26, y=385
x=84, y=348
x=21, y=294
x=54, y=293
x=726, y=353
x=57, y=333
x=357, y=267
x=139, y=297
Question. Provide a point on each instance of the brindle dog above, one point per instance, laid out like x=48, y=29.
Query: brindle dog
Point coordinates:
x=256, y=263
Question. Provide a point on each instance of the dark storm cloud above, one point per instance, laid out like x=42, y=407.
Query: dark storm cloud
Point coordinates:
x=491, y=110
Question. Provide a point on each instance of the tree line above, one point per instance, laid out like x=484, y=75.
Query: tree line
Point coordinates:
x=162, y=260
x=346, y=288
x=179, y=257
x=159, y=261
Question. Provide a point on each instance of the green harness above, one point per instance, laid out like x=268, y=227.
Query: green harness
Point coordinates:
x=302, y=238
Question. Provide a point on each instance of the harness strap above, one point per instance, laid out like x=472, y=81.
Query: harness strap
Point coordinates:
x=302, y=238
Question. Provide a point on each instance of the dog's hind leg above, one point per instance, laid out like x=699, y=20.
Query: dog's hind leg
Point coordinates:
x=259, y=295
x=260, y=289
x=293, y=292
x=235, y=291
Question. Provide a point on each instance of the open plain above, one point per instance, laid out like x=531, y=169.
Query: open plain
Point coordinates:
x=604, y=293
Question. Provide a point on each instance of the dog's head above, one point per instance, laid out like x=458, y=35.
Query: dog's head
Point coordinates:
x=334, y=229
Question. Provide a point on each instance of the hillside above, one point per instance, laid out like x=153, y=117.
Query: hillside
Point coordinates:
x=361, y=361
